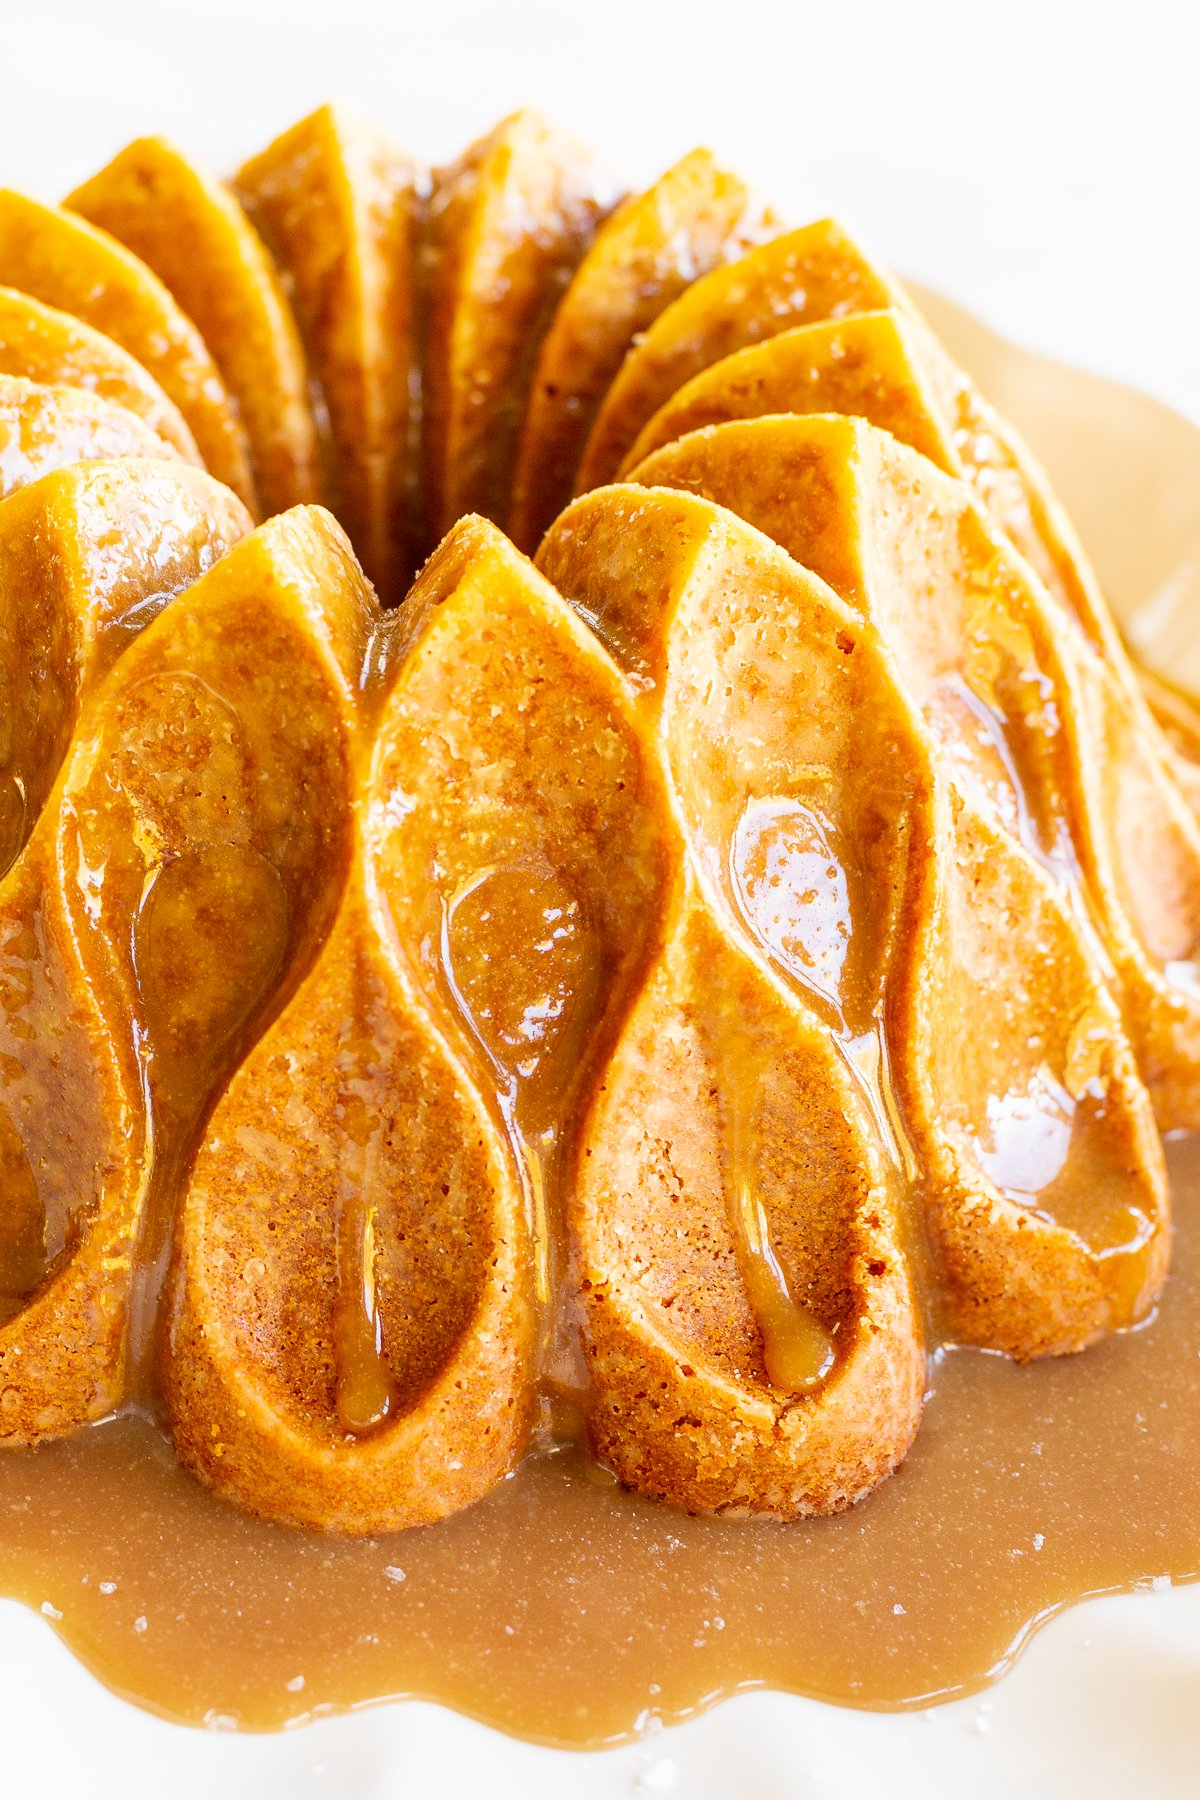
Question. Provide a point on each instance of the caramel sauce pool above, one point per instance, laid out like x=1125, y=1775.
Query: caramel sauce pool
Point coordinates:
x=563, y=1609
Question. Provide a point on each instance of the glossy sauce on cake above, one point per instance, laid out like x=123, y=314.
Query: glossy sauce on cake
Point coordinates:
x=567, y=1610
x=438, y=963
x=564, y=1609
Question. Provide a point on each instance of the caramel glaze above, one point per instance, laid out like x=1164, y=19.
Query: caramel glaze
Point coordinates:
x=566, y=1610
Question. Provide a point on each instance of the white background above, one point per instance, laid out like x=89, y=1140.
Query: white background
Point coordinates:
x=1040, y=162
x=1039, y=159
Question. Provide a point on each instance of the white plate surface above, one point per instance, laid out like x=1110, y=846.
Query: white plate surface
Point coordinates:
x=1042, y=175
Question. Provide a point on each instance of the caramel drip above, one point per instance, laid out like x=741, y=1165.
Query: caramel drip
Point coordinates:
x=364, y=1390
x=798, y=1352
x=531, y=1034
x=365, y=1393
x=12, y=818
x=567, y=1610
x=866, y=1061
x=798, y=892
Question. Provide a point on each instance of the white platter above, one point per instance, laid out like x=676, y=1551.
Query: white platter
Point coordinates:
x=1105, y=1700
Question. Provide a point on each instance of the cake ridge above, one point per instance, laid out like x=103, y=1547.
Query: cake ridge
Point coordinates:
x=1079, y=727
x=665, y=990
x=605, y=560
x=67, y=263
x=55, y=349
x=189, y=229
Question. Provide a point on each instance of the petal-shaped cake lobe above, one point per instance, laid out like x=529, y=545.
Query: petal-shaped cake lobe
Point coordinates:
x=74, y=1156
x=352, y=1333
x=67, y=263
x=521, y=859
x=189, y=229
x=814, y=273
x=798, y=874
x=1044, y=1185
x=1036, y=726
x=196, y=812
x=752, y=1337
x=197, y=802
x=48, y=428
x=165, y=895
x=355, y=1340
x=88, y=556
x=695, y=218
x=56, y=350
x=505, y=228
x=868, y=366
x=335, y=202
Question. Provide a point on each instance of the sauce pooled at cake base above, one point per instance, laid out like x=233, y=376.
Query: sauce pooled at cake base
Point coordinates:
x=564, y=1609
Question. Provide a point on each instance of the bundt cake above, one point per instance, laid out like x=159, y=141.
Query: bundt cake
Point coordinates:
x=663, y=990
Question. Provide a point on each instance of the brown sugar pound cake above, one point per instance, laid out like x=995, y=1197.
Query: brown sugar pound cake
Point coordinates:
x=662, y=991
x=54, y=349
x=45, y=428
x=336, y=202
x=191, y=231
x=695, y=218
x=1032, y=716
x=59, y=259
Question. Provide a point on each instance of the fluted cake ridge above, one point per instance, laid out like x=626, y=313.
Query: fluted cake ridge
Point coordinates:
x=665, y=988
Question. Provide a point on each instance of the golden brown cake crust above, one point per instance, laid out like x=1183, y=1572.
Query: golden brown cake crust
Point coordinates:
x=191, y=231
x=509, y=221
x=57, y=350
x=336, y=202
x=659, y=993
x=66, y=263
x=47, y=428
x=696, y=217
